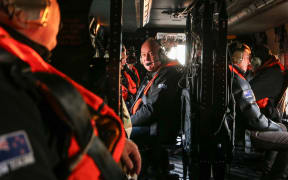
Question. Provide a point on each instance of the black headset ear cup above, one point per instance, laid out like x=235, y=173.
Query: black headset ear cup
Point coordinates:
x=256, y=62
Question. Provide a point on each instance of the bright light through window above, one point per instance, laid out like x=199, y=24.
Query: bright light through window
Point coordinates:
x=177, y=53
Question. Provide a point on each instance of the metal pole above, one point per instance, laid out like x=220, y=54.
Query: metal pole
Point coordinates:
x=113, y=68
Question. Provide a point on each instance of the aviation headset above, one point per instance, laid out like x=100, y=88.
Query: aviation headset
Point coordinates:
x=238, y=52
x=260, y=55
x=28, y=11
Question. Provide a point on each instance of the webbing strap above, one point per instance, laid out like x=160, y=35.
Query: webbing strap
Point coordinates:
x=101, y=156
x=232, y=69
x=37, y=64
x=67, y=102
x=148, y=86
x=70, y=107
x=139, y=101
x=78, y=118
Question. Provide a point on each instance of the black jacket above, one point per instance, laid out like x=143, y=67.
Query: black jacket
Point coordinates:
x=160, y=109
x=248, y=114
x=268, y=83
x=21, y=118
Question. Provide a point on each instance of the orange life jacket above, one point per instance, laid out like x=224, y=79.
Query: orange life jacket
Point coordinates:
x=132, y=87
x=137, y=74
x=124, y=92
x=86, y=169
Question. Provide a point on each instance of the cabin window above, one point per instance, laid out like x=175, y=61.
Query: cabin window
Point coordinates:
x=178, y=53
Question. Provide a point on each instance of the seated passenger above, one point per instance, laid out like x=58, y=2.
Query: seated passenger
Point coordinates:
x=129, y=78
x=155, y=114
x=264, y=133
x=131, y=60
x=267, y=85
x=38, y=138
x=267, y=82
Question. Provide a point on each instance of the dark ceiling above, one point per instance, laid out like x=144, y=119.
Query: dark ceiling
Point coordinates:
x=244, y=16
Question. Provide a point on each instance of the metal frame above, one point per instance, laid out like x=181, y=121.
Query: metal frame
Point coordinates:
x=113, y=68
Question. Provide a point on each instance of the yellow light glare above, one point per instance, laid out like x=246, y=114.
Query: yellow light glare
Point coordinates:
x=97, y=28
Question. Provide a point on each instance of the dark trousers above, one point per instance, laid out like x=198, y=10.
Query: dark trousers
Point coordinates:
x=155, y=162
x=273, y=141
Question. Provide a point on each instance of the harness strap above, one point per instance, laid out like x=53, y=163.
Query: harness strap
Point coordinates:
x=139, y=101
x=148, y=86
x=101, y=156
x=74, y=112
x=77, y=117
x=37, y=64
x=237, y=72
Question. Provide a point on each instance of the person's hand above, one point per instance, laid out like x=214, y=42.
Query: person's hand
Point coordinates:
x=131, y=157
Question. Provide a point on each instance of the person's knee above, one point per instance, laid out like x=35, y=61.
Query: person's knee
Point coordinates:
x=283, y=127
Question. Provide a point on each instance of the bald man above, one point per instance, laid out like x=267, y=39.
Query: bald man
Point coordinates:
x=155, y=114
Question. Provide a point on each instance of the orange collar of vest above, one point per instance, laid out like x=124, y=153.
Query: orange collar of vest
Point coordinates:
x=237, y=72
x=271, y=62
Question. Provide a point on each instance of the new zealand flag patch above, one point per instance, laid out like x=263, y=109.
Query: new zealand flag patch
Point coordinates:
x=248, y=94
x=15, y=151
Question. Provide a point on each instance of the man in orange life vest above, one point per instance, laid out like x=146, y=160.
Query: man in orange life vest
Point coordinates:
x=155, y=113
x=264, y=133
x=130, y=77
x=268, y=82
x=28, y=32
x=267, y=85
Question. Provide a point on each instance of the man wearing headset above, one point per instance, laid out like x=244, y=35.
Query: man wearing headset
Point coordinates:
x=38, y=138
x=264, y=133
x=267, y=83
x=155, y=113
